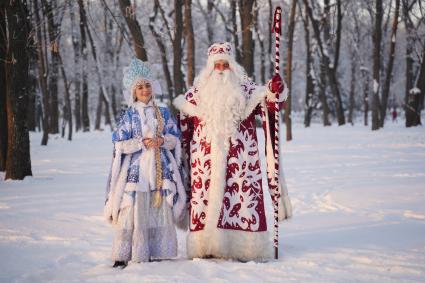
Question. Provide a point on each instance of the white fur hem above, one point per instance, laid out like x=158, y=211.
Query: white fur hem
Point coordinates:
x=230, y=244
x=185, y=106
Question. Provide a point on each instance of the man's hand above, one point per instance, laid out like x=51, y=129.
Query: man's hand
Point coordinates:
x=276, y=84
x=153, y=142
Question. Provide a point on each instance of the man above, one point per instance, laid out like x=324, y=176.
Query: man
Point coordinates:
x=220, y=146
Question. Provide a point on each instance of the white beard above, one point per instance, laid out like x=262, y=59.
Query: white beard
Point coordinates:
x=222, y=105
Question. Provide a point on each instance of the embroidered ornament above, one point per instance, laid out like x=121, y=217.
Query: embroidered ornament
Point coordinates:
x=136, y=71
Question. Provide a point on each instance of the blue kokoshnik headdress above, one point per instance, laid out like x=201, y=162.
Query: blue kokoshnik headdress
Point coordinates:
x=135, y=73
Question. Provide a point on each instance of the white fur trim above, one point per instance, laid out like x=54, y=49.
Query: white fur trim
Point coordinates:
x=284, y=95
x=271, y=97
x=284, y=203
x=178, y=153
x=219, y=56
x=118, y=184
x=231, y=244
x=257, y=96
x=179, y=208
x=170, y=141
x=181, y=103
x=217, y=186
x=130, y=146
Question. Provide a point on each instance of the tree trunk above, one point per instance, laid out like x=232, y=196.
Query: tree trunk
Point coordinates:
x=83, y=50
x=32, y=95
x=352, y=87
x=53, y=33
x=338, y=34
x=411, y=96
x=177, y=48
x=309, y=89
x=210, y=22
x=103, y=93
x=32, y=78
x=162, y=49
x=18, y=162
x=421, y=84
x=322, y=94
x=42, y=74
x=288, y=102
x=327, y=66
x=377, y=34
x=67, y=112
x=233, y=7
x=260, y=40
x=77, y=69
x=129, y=14
x=386, y=88
x=98, y=110
x=190, y=42
x=245, y=10
x=115, y=87
x=271, y=56
x=365, y=79
x=3, y=111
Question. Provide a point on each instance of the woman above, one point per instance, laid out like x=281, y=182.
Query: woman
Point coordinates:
x=145, y=196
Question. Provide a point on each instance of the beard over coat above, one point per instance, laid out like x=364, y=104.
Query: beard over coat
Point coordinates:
x=220, y=151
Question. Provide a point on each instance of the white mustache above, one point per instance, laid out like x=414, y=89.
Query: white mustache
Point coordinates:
x=221, y=75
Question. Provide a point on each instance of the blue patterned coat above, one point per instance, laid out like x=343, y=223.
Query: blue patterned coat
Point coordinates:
x=128, y=150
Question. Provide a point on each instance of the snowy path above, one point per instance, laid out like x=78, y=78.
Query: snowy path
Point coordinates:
x=358, y=201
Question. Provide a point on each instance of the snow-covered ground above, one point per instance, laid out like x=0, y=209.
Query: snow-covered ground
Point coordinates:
x=359, y=214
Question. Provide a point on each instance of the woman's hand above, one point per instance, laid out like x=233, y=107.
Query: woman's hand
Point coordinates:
x=153, y=142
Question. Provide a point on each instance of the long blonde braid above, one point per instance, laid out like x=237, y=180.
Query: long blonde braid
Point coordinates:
x=157, y=198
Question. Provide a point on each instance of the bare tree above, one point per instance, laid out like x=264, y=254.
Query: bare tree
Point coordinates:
x=53, y=27
x=42, y=74
x=190, y=42
x=288, y=72
x=83, y=51
x=179, y=85
x=391, y=55
x=77, y=69
x=420, y=83
x=309, y=89
x=103, y=94
x=67, y=108
x=209, y=18
x=412, y=98
x=128, y=11
x=377, y=35
x=260, y=40
x=162, y=49
x=3, y=111
x=246, y=16
x=351, y=102
x=270, y=40
x=18, y=161
x=233, y=8
x=327, y=65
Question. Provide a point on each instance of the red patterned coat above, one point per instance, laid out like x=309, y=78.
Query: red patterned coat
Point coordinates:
x=227, y=214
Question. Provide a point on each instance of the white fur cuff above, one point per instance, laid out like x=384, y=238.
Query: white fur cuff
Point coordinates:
x=170, y=141
x=185, y=106
x=271, y=97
